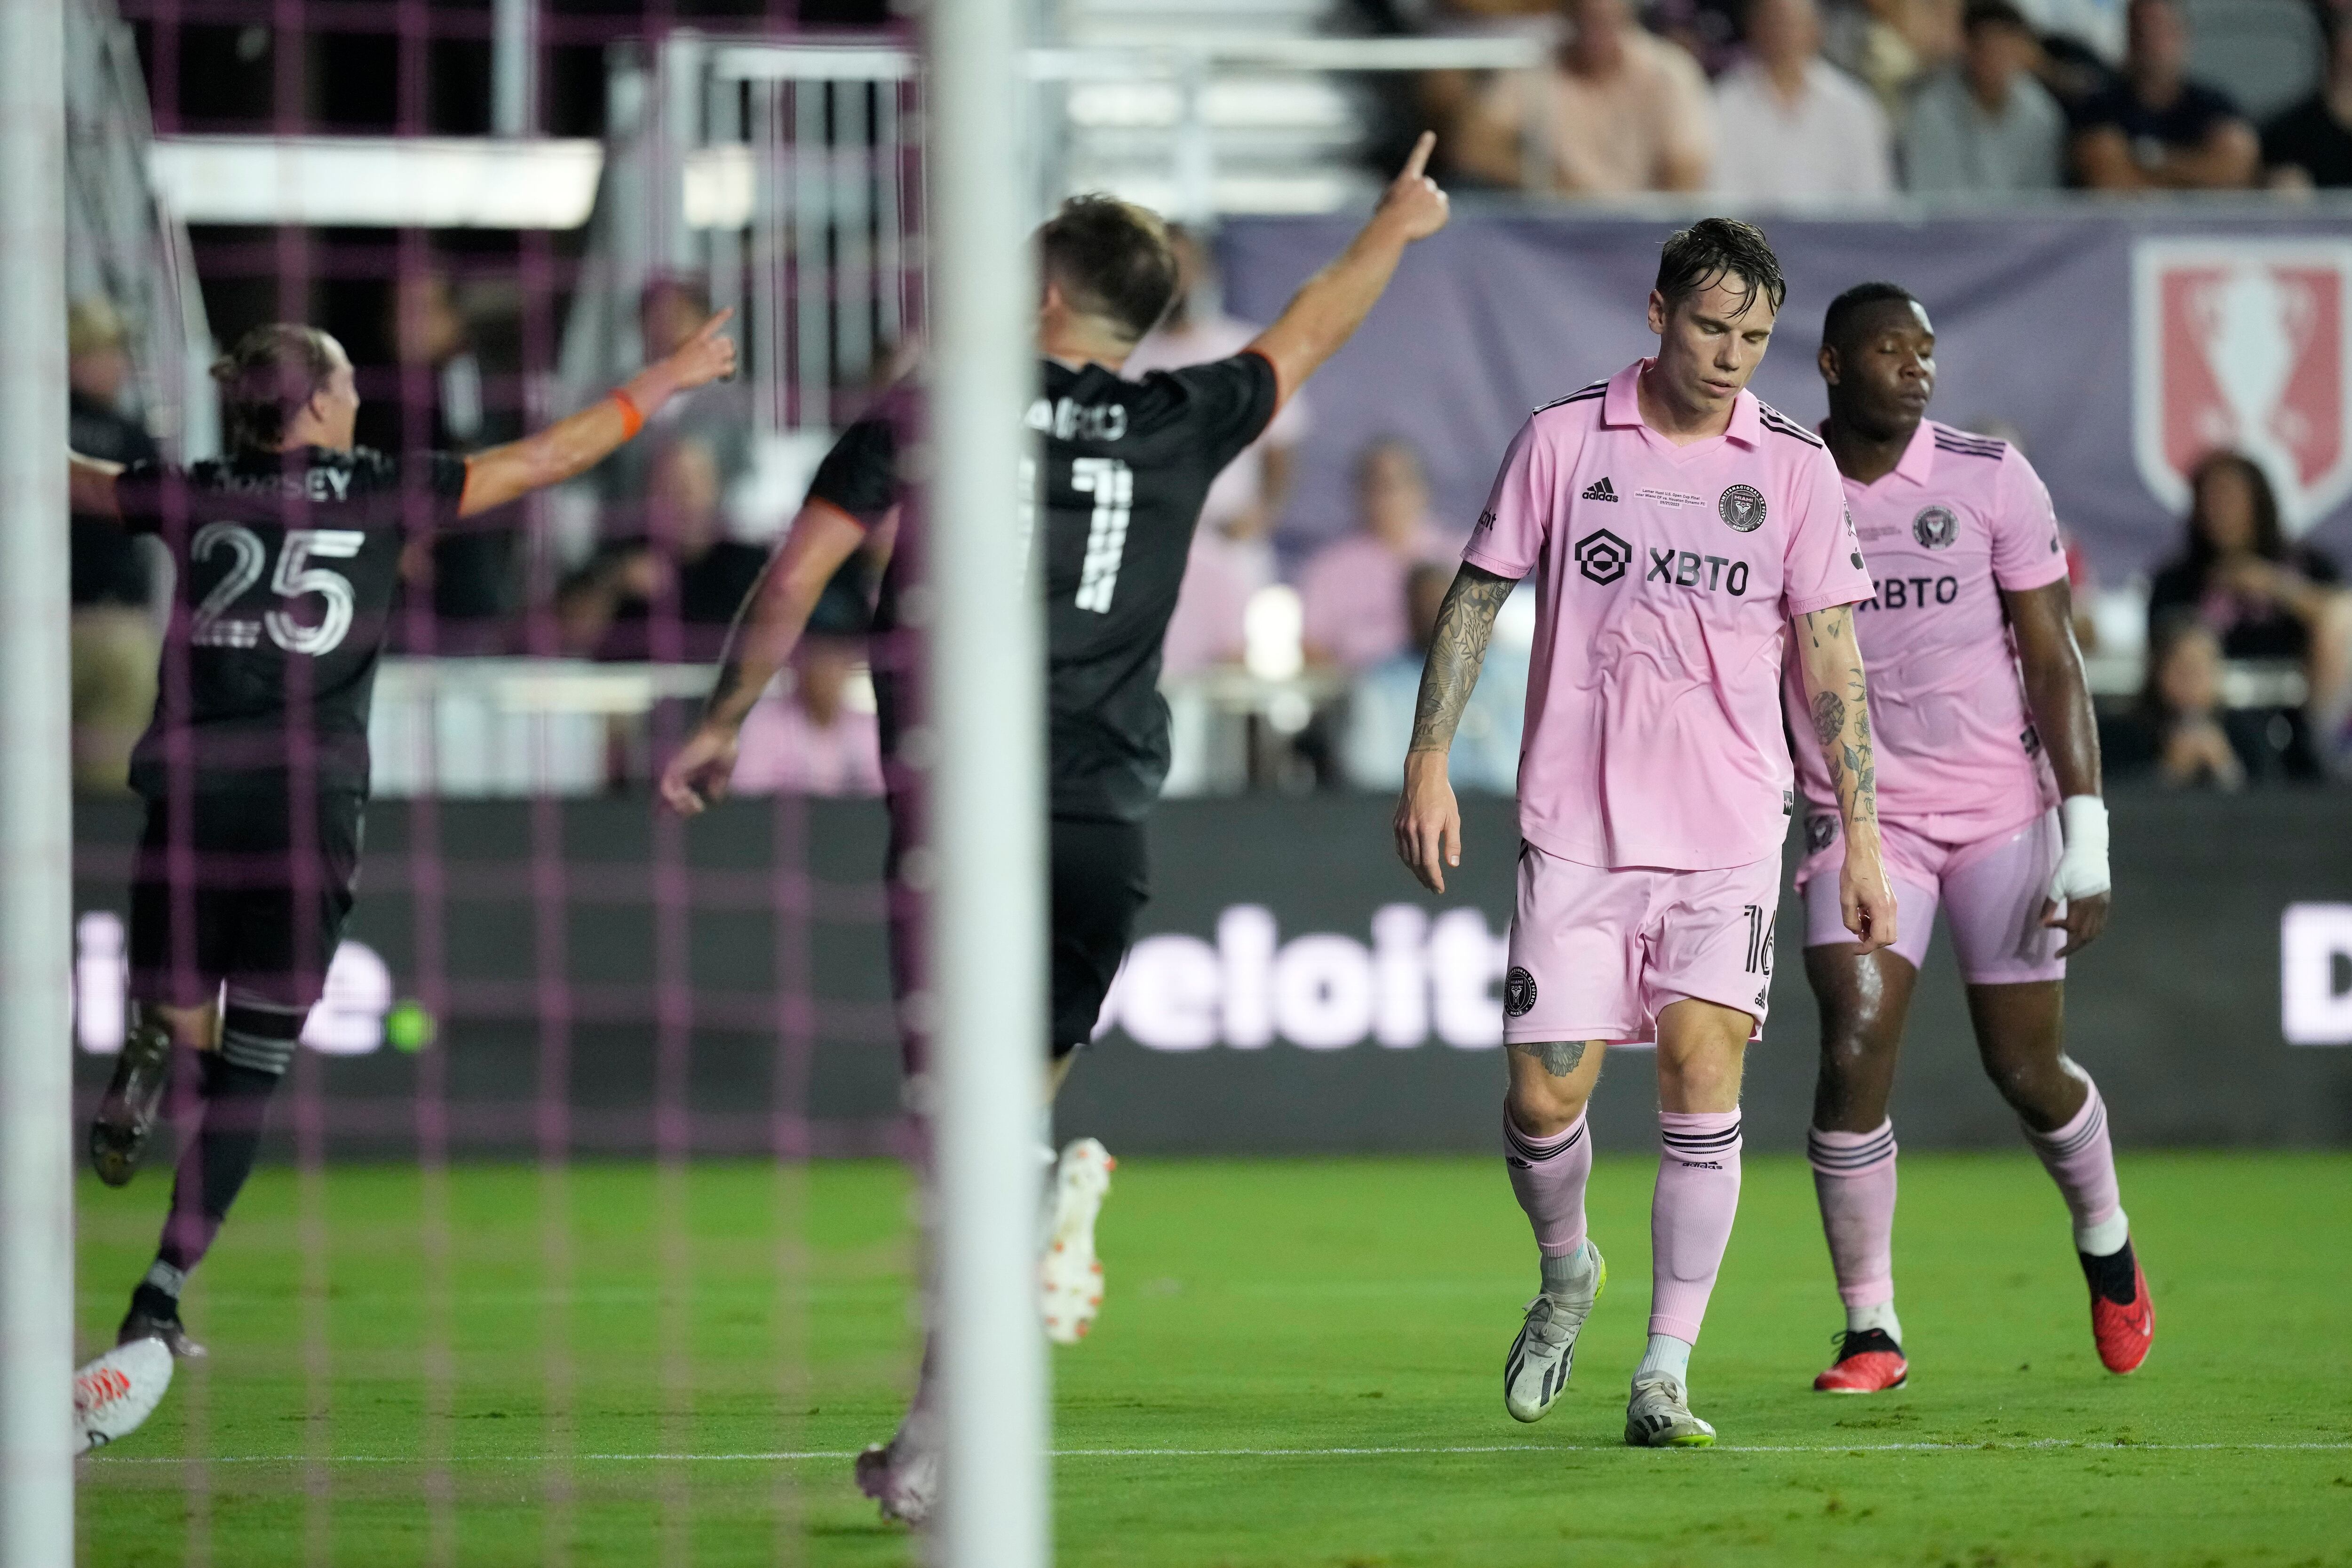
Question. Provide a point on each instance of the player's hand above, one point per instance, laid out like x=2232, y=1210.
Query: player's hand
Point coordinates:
x=706, y=357
x=1428, y=820
x=1414, y=201
x=697, y=774
x=1865, y=897
x=2082, y=919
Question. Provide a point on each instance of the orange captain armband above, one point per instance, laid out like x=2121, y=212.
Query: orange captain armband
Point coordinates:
x=633, y=418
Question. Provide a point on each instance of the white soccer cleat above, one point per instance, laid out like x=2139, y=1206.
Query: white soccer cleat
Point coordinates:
x=1659, y=1416
x=118, y=1390
x=1535, y=1374
x=1069, y=1275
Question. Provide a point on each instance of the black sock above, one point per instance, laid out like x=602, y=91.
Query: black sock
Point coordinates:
x=2114, y=1276
x=216, y=1163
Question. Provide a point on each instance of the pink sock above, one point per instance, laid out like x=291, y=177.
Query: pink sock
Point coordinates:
x=1853, y=1175
x=2082, y=1161
x=1550, y=1176
x=1690, y=1216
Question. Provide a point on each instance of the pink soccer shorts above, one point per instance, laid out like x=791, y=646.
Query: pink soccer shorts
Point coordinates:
x=1994, y=889
x=1596, y=954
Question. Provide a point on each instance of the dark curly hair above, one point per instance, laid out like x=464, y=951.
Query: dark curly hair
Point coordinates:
x=269, y=373
x=2270, y=540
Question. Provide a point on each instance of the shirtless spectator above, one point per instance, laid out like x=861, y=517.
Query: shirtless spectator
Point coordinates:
x=1619, y=112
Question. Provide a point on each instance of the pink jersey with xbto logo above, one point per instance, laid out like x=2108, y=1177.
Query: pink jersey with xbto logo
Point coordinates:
x=1666, y=578
x=1960, y=518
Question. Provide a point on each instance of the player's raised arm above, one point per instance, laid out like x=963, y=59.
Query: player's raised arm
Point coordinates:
x=90, y=485
x=1330, y=306
x=766, y=630
x=2058, y=695
x=571, y=447
x=1837, y=700
x=1428, y=819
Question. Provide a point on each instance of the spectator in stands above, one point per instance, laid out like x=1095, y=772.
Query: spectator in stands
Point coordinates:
x=114, y=630
x=2261, y=597
x=822, y=738
x=1789, y=124
x=2311, y=144
x=1352, y=592
x=1893, y=44
x=1985, y=126
x=672, y=594
x=2178, y=733
x=1380, y=706
x=1232, y=550
x=470, y=571
x=2154, y=128
x=1619, y=111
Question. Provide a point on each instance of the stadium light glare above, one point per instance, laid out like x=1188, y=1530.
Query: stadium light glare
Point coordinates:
x=378, y=182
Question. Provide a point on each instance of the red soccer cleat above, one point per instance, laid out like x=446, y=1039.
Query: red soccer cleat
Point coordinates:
x=1869, y=1362
x=2123, y=1318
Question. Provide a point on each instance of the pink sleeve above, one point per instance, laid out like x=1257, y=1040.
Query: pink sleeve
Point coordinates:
x=1823, y=566
x=2026, y=550
x=1509, y=538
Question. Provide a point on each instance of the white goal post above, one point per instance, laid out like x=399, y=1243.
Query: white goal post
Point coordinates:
x=37, y=1262
x=987, y=795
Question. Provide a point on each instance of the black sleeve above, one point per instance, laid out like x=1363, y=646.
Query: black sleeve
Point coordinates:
x=138, y=496
x=860, y=475
x=1230, y=403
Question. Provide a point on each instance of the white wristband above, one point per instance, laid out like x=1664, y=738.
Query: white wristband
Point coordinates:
x=2082, y=868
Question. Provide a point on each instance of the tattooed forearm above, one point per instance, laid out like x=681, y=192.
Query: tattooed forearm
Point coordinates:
x=1839, y=706
x=1465, y=622
x=1829, y=717
x=1560, y=1057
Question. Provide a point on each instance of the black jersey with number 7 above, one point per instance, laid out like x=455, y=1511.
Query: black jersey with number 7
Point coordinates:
x=288, y=567
x=1110, y=495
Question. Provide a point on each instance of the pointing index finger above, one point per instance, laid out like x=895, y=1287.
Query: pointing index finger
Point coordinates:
x=1419, y=160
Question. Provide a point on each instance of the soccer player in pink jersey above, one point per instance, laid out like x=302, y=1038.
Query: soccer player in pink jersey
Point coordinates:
x=1677, y=527
x=1989, y=805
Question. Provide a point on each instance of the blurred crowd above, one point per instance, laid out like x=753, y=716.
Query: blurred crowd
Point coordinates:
x=1314, y=646
x=1774, y=101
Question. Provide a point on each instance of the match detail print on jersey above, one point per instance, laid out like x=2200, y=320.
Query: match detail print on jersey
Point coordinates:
x=1112, y=484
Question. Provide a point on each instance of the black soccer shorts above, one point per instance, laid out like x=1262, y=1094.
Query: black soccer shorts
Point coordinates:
x=1100, y=885
x=227, y=896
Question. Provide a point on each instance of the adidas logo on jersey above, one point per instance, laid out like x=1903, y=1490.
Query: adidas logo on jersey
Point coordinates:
x=1601, y=490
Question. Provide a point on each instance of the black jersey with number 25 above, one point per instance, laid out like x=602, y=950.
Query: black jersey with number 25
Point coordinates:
x=288, y=563
x=1112, y=492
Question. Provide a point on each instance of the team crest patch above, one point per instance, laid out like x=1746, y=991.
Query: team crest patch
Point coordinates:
x=1742, y=507
x=1935, y=528
x=1518, y=992
x=1601, y=556
x=1819, y=831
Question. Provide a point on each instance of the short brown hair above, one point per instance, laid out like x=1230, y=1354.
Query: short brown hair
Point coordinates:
x=270, y=372
x=1715, y=249
x=1112, y=260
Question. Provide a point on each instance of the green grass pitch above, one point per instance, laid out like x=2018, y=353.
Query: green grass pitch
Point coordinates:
x=506, y=1399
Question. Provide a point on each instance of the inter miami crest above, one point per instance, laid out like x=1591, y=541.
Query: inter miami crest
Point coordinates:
x=1742, y=507
x=1518, y=991
x=1819, y=831
x=1601, y=556
x=1935, y=528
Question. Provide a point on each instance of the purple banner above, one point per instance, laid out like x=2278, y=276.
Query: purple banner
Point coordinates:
x=2116, y=347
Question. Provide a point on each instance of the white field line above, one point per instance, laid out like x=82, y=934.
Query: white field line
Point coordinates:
x=789, y=1456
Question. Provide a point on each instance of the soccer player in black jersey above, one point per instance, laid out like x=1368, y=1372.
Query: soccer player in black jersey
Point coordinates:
x=1115, y=486
x=255, y=768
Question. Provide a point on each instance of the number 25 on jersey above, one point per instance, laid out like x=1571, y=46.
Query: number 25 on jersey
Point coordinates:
x=294, y=579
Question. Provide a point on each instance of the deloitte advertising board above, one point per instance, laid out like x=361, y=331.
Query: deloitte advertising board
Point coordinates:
x=1293, y=989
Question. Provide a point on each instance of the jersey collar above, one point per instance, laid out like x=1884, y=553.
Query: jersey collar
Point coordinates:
x=1622, y=405
x=1919, y=457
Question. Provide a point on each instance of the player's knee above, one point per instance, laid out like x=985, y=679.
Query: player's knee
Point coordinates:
x=1548, y=1107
